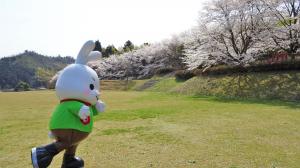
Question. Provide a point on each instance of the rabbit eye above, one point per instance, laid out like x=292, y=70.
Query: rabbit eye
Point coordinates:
x=92, y=86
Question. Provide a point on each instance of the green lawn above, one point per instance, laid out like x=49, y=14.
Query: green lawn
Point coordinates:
x=147, y=129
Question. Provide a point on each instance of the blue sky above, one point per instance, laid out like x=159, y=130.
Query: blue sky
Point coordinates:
x=60, y=27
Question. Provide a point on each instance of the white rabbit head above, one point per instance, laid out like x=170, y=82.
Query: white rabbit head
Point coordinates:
x=78, y=81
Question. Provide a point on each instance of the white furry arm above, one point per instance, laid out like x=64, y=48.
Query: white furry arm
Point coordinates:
x=100, y=106
x=84, y=112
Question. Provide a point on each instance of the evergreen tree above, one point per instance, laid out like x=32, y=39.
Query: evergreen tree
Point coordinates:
x=110, y=50
x=98, y=46
x=128, y=46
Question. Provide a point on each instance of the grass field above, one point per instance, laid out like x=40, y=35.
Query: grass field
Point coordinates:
x=147, y=129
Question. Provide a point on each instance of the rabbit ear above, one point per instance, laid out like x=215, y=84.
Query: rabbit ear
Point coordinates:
x=94, y=55
x=82, y=57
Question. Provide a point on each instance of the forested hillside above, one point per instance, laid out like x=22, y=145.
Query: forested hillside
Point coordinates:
x=30, y=68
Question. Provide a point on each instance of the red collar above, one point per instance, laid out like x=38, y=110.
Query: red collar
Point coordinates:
x=86, y=103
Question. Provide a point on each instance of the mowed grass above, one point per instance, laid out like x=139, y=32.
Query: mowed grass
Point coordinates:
x=147, y=129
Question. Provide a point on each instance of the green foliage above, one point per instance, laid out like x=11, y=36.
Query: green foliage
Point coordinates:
x=286, y=22
x=22, y=86
x=128, y=46
x=30, y=67
x=44, y=74
x=98, y=46
x=109, y=50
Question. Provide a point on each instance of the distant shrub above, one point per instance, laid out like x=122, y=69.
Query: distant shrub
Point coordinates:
x=227, y=70
x=197, y=72
x=184, y=74
x=22, y=86
x=163, y=71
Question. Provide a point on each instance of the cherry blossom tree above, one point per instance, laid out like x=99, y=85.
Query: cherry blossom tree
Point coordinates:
x=227, y=34
x=281, y=21
x=136, y=64
x=230, y=32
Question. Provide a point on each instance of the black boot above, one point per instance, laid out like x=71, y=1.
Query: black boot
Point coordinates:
x=41, y=157
x=72, y=161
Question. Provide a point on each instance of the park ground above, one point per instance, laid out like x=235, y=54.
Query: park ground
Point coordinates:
x=150, y=129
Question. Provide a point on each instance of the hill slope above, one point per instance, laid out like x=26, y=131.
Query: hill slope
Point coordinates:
x=264, y=85
x=30, y=67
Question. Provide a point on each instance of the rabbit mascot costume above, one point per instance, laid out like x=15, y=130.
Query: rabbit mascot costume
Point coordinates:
x=77, y=88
